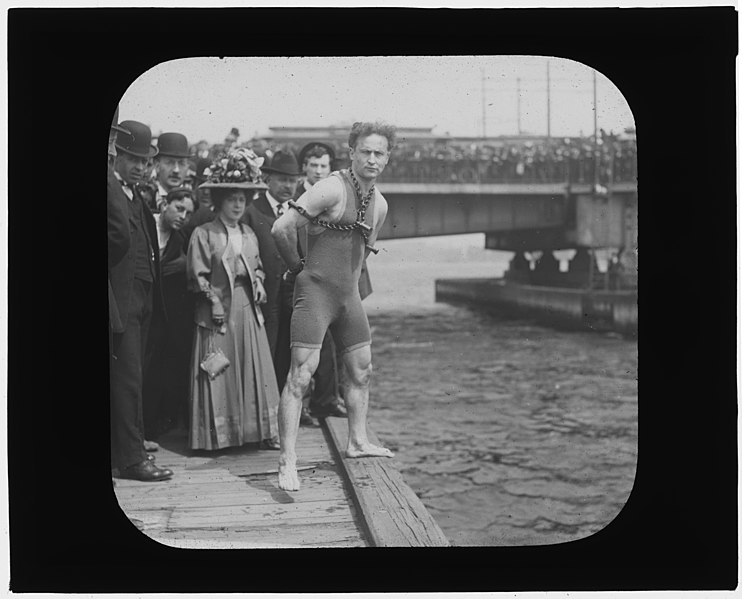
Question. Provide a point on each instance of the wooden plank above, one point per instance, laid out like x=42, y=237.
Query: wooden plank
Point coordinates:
x=176, y=491
x=394, y=516
x=248, y=516
x=310, y=534
x=219, y=497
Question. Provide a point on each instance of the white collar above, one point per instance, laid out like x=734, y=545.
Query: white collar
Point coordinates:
x=127, y=190
x=273, y=201
x=162, y=236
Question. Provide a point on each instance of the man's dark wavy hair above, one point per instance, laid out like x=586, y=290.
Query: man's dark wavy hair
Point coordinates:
x=360, y=129
x=316, y=152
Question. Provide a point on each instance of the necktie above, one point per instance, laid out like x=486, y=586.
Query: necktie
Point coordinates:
x=279, y=211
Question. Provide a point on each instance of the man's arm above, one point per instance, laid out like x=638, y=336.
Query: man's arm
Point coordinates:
x=318, y=201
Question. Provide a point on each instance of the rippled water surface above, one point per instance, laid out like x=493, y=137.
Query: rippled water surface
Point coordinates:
x=510, y=432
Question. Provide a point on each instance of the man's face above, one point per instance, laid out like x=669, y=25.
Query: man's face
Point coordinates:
x=171, y=172
x=129, y=167
x=317, y=168
x=176, y=213
x=282, y=187
x=370, y=156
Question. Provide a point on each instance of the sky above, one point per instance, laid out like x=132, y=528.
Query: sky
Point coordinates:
x=204, y=98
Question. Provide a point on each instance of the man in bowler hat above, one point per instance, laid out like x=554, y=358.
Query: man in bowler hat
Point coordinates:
x=135, y=285
x=281, y=175
x=171, y=164
x=119, y=239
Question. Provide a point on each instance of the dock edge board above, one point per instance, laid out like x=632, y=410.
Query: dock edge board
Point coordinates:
x=391, y=513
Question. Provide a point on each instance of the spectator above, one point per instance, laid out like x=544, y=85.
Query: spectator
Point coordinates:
x=165, y=392
x=171, y=164
x=282, y=176
x=135, y=285
x=223, y=266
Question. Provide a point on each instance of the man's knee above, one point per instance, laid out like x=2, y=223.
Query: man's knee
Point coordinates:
x=303, y=365
x=360, y=373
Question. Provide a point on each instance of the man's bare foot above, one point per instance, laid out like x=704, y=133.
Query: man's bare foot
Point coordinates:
x=368, y=451
x=288, y=478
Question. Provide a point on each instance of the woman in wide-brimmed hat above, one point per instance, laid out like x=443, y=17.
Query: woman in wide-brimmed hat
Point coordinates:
x=239, y=405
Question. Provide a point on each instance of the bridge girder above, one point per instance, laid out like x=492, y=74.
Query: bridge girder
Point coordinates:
x=545, y=217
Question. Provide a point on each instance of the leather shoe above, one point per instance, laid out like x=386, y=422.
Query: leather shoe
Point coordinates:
x=306, y=418
x=145, y=471
x=336, y=410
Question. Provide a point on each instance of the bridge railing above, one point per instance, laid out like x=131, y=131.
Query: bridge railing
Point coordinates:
x=482, y=171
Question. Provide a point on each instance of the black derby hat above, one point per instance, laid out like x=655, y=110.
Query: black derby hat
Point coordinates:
x=283, y=163
x=115, y=120
x=313, y=144
x=137, y=140
x=173, y=144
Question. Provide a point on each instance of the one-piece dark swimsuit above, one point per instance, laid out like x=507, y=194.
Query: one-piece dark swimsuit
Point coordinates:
x=326, y=292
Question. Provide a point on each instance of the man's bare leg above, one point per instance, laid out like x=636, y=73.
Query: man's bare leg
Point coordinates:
x=358, y=365
x=303, y=364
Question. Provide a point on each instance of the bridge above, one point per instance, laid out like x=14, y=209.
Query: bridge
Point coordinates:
x=526, y=217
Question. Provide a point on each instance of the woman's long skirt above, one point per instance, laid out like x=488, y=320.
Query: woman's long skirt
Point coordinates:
x=241, y=404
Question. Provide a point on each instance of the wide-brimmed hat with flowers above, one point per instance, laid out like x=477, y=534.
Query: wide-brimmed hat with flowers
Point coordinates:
x=240, y=169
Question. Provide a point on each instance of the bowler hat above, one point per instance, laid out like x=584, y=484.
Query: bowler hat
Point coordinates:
x=313, y=144
x=173, y=144
x=137, y=140
x=115, y=120
x=283, y=163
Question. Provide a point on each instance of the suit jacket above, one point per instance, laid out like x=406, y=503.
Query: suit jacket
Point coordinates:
x=259, y=217
x=175, y=293
x=119, y=241
x=209, y=273
x=121, y=274
x=119, y=238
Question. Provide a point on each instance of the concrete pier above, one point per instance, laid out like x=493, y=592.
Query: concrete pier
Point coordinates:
x=601, y=310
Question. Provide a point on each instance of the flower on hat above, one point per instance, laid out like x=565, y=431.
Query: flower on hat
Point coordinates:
x=241, y=165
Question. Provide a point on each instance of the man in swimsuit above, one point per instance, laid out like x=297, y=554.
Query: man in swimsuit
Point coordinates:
x=344, y=214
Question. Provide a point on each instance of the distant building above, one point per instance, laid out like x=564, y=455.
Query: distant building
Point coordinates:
x=338, y=134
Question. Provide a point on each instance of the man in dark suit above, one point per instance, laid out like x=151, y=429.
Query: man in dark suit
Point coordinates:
x=166, y=380
x=281, y=175
x=119, y=238
x=135, y=286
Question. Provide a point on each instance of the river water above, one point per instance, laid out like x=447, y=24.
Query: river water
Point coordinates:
x=511, y=433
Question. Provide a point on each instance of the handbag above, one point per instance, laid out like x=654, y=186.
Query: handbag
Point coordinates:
x=215, y=362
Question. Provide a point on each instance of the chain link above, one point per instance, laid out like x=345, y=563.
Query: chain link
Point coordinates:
x=360, y=225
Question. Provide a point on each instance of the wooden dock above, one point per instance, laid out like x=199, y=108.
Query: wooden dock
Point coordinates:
x=230, y=499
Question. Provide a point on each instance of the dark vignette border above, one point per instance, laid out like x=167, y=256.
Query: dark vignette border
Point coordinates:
x=67, y=68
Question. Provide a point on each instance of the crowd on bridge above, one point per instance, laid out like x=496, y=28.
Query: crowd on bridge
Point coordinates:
x=451, y=160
